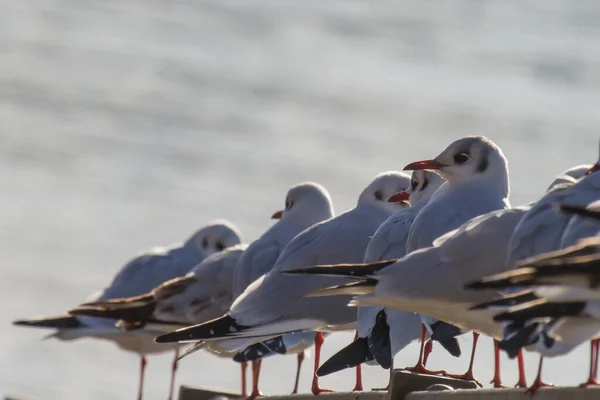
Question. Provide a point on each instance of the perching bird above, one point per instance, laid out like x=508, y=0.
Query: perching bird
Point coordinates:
x=137, y=277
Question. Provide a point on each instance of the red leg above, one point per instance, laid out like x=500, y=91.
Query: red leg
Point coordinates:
x=389, y=381
x=244, y=367
x=173, y=371
x=255, y=375
x=496, y=380
x=522, y=383
x=593, y=364
x=420, y=367
x=300, y=359
x=319, y=339
x=469, y=374
x=143, y=363
x=427, y=351
x=358, y=387
x=538, y=383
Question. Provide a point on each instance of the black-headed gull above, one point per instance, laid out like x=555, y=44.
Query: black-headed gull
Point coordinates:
x=305, y=205
x=139, y=276
x=274, y=304
x=558, y=307
x=477, y=182
x=400, y=327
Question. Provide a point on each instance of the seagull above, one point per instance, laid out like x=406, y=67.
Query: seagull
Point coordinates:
x=543, y=230
x=274, y=303
x=139, y=276
x=208, y=291
x=558, y=306
x=476, y=174
x=305, y=205
x=383, y=332
x=430, y=281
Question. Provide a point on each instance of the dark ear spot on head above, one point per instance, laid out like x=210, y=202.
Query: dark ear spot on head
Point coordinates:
x=425, y=183
x=484, y=160
x=204, y=243
x=378, y=195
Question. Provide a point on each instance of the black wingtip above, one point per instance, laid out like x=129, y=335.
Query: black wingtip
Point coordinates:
x=134, y=312
x=349, y=270
x=350, y=356
x=581, y=211
x=508, y=300
x=261, y=350
x=58, y=322
x=217, y=328
x=379, y=341
x=445, y=334
x=541, y=309
x=518, y=336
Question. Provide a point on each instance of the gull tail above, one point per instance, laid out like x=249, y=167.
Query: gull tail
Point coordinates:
x=132, y=310
x=541, y=309
x=505, y=280
x=581, y=211
x=349, y=270
x=261, y=350
x=56, y=322
x=379, y=341
x=355, y=288
x=217, y=328
x=508, y=300
x=350, y=356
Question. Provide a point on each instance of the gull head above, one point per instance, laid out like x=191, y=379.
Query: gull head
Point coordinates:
x=216, y=236
x=570, y=176
x=468, y=159
x=383, y=187
x=422, y=186
x=306, y=204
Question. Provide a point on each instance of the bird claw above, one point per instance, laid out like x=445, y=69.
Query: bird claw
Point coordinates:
x=589, y=383
x=316, y=390
x=466, y=377
x=497, y=383
x=254, y=395
x=381, y=389
x=419, y=369
x=536, y=386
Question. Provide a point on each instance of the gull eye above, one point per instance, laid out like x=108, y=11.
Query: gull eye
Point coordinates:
x=219, y=246
x=378, y=195
x=414, y=184
x=461, y=158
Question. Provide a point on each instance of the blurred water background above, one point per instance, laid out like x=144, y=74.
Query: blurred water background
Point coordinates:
x=128, y=124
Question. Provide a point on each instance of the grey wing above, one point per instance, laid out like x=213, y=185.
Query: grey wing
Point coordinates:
x=389, y=240
x=258, y=259
x=539, y=231
x=146, y=272
x=279, y=296
x=423, y=234
x=213, y=295
x=204, y=293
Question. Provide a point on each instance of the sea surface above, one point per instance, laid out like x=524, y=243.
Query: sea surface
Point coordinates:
x=128, y=124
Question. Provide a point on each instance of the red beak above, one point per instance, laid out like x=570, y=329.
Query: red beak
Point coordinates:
x=277, y=215
x=399, y=197
x=426, y=164
x=595, y=168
